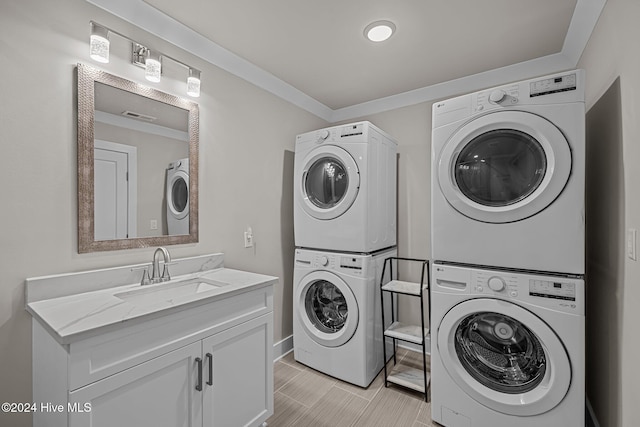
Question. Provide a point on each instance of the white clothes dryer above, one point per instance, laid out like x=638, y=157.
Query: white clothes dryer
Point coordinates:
x=345, y=189
x=337, y=319
x=508, y=176
x=178, y=197
x=508, y=348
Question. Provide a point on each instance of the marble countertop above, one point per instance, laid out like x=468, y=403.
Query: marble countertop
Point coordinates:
x=74, y=317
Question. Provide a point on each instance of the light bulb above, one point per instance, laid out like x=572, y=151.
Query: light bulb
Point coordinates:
x=99, y=43
x=153, y=67
x=379, y=31
x=193, y=83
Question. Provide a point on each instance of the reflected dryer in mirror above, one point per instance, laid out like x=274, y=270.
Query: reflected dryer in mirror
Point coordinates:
x=137, y=162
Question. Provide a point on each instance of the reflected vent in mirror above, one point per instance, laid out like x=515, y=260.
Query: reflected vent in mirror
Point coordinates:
x=139, y=116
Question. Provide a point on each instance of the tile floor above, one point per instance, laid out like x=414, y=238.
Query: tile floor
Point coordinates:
x=307, y=398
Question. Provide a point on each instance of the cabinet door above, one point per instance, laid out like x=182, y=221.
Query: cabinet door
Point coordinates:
x=238, y=389
x=157, y=393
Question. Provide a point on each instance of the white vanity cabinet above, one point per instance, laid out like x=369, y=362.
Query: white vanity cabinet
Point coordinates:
x=209, y=365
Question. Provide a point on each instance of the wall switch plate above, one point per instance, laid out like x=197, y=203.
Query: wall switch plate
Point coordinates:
x=248, y=238
x=632, y=235
x=153, y=224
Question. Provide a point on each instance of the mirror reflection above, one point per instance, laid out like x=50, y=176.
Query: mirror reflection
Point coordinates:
x=137, y=164
x=141, y=166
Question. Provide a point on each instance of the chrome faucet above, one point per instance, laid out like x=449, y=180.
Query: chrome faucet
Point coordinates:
x=155, y=275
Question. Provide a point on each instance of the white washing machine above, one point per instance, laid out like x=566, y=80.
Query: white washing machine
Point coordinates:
x=178, y=197
x=508, y=349
x=345, y=189
x=337, y=319
x=508, y=176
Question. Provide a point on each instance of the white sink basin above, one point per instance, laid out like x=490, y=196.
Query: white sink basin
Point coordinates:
x=170, y=291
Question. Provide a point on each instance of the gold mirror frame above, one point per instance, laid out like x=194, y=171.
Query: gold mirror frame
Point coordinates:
x=87, y=77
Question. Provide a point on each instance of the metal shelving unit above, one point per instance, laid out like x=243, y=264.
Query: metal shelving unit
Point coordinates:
x=403, y=375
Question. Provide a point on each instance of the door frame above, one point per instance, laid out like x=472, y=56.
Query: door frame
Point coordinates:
x=132, y=180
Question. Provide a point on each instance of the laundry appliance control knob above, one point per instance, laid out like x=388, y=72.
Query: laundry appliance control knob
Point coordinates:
x=324, y=261
x=323, y=135
x=497, y=96
x=496, y=283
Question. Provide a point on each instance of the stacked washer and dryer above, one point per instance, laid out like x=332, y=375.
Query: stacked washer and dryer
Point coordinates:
x=508, y=244
x=345, y=227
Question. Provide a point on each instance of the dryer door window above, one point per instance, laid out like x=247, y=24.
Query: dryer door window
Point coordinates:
x=179, y=194
x=327, y=182
x=327, y=308
x=500, y=167
x=504, y=357
x=504, y=166
x=330, y=182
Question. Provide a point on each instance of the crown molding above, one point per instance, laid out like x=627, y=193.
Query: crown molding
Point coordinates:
x=150, y=19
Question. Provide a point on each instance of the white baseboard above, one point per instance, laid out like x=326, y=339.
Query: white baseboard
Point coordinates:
x=281, y=348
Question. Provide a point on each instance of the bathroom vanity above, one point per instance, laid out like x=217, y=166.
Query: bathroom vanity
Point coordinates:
x=194, y=351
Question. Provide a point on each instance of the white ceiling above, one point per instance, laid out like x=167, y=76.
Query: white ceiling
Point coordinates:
x=314, y=54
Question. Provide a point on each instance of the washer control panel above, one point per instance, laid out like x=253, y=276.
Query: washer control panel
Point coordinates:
x=352, y=264
x=490, y=283
x=506, y=285
x=552, y=289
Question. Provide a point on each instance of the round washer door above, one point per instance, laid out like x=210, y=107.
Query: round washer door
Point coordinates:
x=504, y=357
x=504, y=166
x=178, y=194
x=330, y=182
x=326, y=308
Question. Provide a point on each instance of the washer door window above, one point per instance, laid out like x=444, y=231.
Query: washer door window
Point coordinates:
x=504, y=166
x=327, y=309
x=504, y=357
x=178, y=195
x=330, y=182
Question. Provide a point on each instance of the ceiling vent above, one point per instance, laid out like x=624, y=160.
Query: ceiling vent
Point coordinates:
x=139, y=116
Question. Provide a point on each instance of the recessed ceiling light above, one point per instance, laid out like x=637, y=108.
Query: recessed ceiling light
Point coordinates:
x=379, y=31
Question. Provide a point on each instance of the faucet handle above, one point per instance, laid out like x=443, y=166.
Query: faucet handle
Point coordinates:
x=165, y=271
x=146, y=280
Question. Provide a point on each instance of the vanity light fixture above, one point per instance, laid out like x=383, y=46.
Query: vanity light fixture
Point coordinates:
x=379, y=31
x=193, y=83
x=142, y=56
x=153, y=66
x=99, y=43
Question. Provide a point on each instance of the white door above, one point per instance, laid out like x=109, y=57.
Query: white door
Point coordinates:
x=159, y=393
x=238, y=375
x=114, y=191
x=504, y=356
x=504, y=166
x=327, y=308
x=330, y=182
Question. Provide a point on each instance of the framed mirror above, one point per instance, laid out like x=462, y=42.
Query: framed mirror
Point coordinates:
x=137, y=165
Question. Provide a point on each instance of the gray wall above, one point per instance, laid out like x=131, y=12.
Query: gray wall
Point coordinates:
x=40, y=44
x=612, y=62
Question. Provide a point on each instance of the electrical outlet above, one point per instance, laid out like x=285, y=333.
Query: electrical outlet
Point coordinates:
x=153, y=224
x=248, y=238
x=631, y=243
